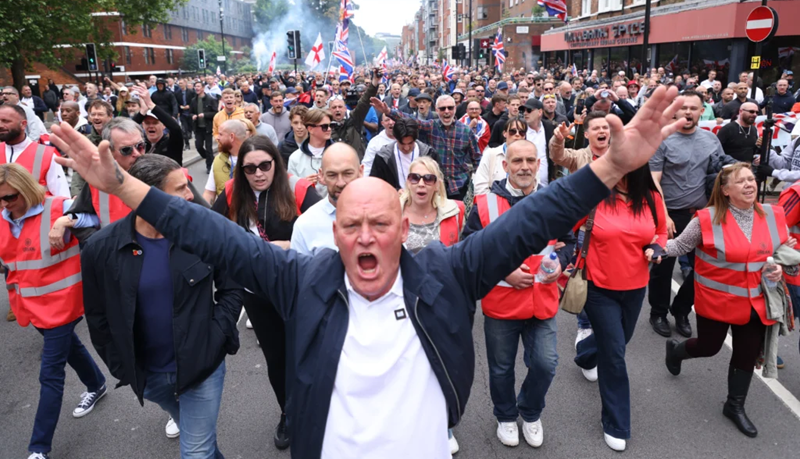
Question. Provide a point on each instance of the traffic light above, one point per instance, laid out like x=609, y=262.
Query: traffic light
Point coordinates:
x=91, y=57
x=462, y=51
x=201, y=58
x=290, y=44
x=298, y=45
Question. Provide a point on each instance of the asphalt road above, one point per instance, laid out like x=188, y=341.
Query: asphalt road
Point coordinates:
x=672, y=417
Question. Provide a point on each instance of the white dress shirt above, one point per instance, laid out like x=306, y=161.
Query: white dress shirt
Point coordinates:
x=538, y=139
x=375, y=144
x=386, y=401
x=56, y=179
x=313, y=230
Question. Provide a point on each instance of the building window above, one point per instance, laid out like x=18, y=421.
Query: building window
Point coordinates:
x=185, y=34
x=199, y=35
x=233, y=42
x=167, y=32
x=123, y=27
x=169, y=56
x=149, y=56
x=147, y=31
x=152, y=55
x=609, y=5
x=483, y=13
x=586, y=7
x=128, y=55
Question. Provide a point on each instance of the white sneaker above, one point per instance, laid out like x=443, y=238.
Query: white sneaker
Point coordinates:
x=172, y=429
x=38, y=456
x=617, y=444
x=590, y=375
x=452, y=442
x=583, y=333
x=508, y=433
x=533, y=432
x=248, y=324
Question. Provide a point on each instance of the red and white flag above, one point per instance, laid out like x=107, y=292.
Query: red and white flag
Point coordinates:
x=382, y=56
x=317, y=54
x=271, y=67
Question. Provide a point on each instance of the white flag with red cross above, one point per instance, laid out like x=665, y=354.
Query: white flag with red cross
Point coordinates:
x=317, y=54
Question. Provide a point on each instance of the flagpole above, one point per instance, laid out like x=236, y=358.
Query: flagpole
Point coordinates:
x=366, y=62
x=328, y=68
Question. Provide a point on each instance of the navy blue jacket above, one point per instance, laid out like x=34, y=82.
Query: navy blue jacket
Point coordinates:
x=441, y=286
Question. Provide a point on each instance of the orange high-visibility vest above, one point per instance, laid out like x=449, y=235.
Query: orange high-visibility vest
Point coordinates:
x=299, y=185
x=727, y=270
x=794, y=229
x=505, y=301
x=44, y=285
x=108, y=207
x=450, y=228
x=36, y=158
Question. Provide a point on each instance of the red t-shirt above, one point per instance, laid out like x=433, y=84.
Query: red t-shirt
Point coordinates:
x=615, y=260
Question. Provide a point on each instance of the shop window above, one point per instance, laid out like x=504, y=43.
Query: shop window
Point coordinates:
x=618, y=61
x=674, y=57
x=711, y=55
x=777, y=56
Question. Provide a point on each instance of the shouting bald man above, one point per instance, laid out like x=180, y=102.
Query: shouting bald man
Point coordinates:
x=379, y=341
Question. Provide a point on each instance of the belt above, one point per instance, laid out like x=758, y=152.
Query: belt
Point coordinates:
x=691, y=210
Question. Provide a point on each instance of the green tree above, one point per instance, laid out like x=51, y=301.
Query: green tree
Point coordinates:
x=28, y=31
x=213, y=47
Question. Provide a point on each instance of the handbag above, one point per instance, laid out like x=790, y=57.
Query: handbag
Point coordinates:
x=577, y=287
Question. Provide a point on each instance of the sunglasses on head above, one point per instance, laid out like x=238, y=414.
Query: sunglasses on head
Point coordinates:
x=9, y=198
x=549, y=96
x=429, y=179
x=127, y=151
x=324, y=127
x=250, y=169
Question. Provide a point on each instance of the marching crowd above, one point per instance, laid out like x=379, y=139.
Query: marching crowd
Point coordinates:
x=359, y=223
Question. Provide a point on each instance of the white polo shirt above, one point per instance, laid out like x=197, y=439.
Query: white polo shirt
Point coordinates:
x=313, y=230
x=386, y=401
x=538, y=139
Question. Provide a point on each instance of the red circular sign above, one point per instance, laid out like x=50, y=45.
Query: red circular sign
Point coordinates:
x=762, y=23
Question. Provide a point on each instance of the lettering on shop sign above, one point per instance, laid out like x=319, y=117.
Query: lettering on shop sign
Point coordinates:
x=617, y=34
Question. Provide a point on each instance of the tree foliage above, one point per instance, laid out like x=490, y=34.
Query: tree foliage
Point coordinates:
x=29, y=30
x=235, y=63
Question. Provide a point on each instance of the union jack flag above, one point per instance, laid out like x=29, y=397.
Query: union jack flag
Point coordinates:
x=557, y=8
x=673, y=64
x=498, y=51
x=447, y=71
x=345, y=60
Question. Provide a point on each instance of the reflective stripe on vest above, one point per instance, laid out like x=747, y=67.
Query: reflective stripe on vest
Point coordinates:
x=28, y=292
x=733, y=290
x=47, y=260
x=104, y=212
x=719, y=244
x=37, y=163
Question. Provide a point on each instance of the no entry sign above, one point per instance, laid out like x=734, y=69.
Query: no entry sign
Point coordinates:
x=762, y=23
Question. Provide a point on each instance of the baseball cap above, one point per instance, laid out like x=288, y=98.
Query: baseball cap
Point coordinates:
x=424, y=96
x=502, y=85
x=413, y=92
x=290, y=90
x=534, y=104
x=789, y=72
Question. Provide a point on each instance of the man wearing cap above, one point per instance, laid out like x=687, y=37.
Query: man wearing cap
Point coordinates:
x=424, y=112
x=458, y=96
x=539, y=134
x=411, y=104
x=165, y=100
x=154, y=120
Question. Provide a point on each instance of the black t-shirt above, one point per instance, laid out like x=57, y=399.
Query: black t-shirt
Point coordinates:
x=737, y=141
x=730, y=111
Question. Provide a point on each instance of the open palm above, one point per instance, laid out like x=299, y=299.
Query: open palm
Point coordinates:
x=634, y=144
x=94, y=163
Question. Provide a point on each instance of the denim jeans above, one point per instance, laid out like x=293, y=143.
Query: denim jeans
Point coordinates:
x=195, y=412
x=794, y=293
x=613, y=315
x=61, y=347
x=540, y=356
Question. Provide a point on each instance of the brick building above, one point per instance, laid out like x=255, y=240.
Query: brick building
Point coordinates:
x=158, y=50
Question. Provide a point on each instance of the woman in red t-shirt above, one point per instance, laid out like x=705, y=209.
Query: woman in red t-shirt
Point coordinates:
x=629, y=220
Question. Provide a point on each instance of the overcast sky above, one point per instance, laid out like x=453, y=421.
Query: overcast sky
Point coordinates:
x=387, y=16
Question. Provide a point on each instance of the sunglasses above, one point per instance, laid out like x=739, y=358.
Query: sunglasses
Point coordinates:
x=324, y=127
x=13, y=197
x=127, y=151
x=514, y=131
x=250, y=169
x=429, y=179
x=752, y=112
x=447, y=108
x=548, y=89
x=528, y=109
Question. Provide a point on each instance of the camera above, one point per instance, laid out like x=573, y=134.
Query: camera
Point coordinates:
x=351, y=97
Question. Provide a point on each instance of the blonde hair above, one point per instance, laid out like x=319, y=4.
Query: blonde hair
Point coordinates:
x=440, y=194
x=18, y=178
x=718, y=200
x=251, y=128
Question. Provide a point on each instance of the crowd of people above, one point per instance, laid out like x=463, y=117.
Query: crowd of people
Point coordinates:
x=346, y=187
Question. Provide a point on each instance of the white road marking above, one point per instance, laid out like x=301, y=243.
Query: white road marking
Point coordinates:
x=241, y=314
x=774, y=385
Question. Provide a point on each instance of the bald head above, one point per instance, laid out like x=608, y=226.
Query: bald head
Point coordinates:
x=235, y=127
x=340, y=166
x=368, y=190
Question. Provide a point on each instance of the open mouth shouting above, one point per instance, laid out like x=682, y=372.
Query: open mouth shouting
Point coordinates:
x=367, y=265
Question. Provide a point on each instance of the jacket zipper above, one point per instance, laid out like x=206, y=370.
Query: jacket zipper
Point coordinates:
x=446, y=373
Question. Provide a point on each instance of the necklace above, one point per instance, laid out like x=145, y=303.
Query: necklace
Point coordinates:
x=741, y=130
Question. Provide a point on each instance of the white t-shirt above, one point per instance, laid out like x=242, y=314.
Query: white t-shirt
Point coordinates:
x=386, y=401
x=403, y=162
x=316, y=152
x=538, y=139
x=377, y=142
x=211, y=185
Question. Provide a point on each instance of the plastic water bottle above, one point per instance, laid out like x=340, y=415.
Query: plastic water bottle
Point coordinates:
x=548, y=266
x=770, y=267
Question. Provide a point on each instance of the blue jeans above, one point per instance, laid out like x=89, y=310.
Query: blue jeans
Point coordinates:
x=540, y=356
x=195, y=413
x=613, y=315
x=61, y=347
x=794, y=293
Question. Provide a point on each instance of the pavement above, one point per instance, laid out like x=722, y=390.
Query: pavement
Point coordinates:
x=672, y=417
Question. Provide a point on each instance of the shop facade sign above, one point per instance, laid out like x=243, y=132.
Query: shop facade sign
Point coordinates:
x=629, y=33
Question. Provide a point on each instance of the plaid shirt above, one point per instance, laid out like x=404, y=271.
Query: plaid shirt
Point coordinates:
x=456, y=146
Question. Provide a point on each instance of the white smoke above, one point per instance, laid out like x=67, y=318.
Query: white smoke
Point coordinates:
x=298, y=17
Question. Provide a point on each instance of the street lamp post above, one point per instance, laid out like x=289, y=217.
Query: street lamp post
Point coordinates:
x=469, y=58
x=222, y=34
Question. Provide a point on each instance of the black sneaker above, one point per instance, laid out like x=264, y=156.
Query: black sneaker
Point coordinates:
x=88, y=401
x=282, y=440
x=661, y=326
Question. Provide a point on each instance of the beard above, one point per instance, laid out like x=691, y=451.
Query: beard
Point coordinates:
x=12, y=134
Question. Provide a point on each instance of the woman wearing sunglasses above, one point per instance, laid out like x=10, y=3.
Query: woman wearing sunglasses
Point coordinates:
x=432, y=217
x=263, y=200
x=490, y=168
x=238, y=98
x=307, y=160
x=45, y=289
